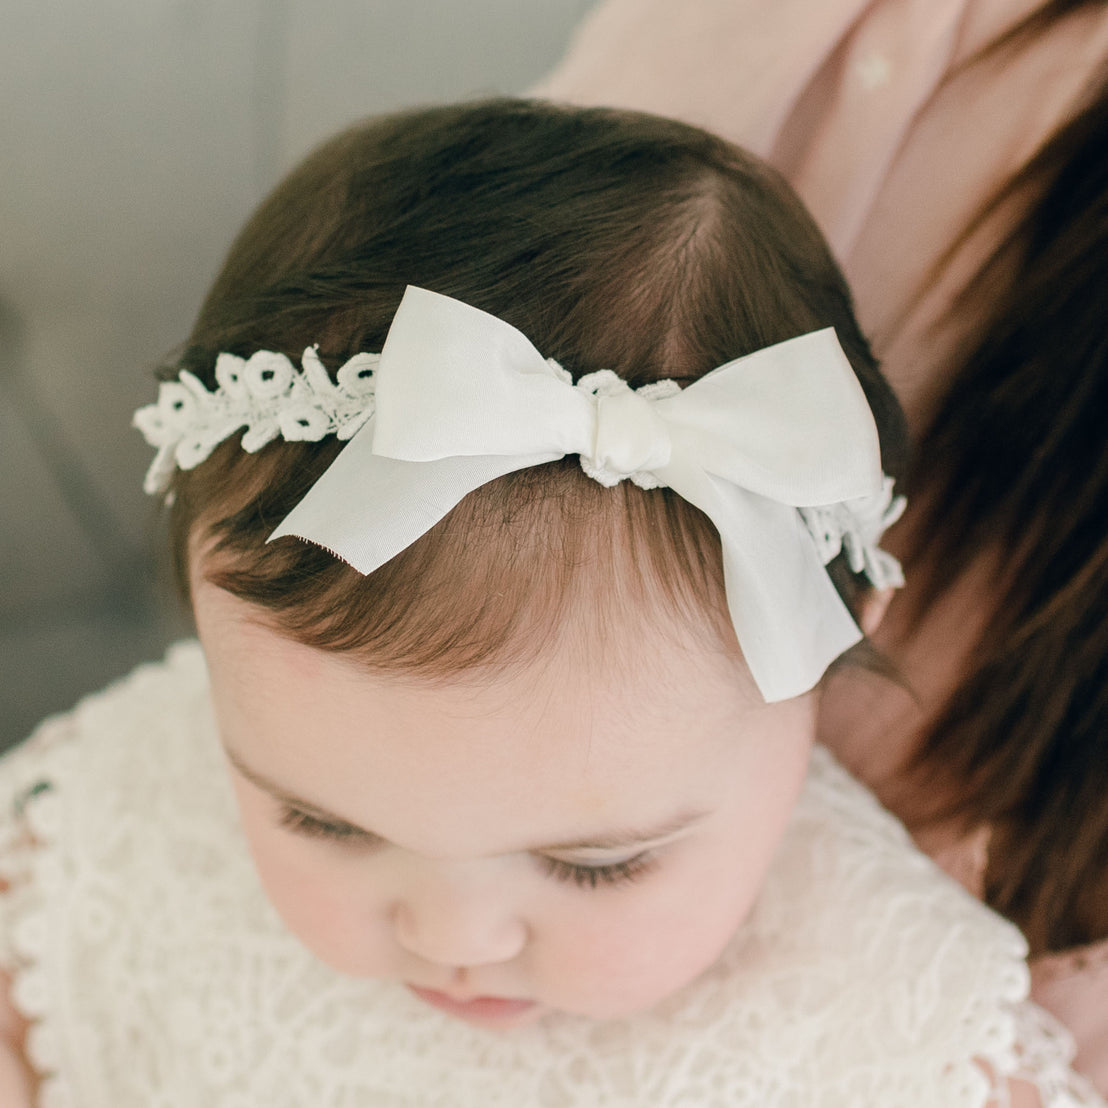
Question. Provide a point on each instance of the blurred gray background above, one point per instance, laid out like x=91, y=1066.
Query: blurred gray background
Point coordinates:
x=135, y=137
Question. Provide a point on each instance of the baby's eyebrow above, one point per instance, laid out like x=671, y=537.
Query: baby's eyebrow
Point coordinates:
x=612, y=840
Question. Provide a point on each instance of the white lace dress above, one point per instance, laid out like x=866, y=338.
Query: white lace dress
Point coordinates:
x=158, y=976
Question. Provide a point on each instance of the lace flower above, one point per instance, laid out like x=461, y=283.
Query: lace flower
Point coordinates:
x=265, y=395
x=854, y=528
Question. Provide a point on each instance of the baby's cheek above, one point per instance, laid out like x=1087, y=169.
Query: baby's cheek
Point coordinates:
x=326, y=908
x=642, y=945
x=318, y=897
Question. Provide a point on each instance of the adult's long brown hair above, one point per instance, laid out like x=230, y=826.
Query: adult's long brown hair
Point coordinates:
x=1016, y=459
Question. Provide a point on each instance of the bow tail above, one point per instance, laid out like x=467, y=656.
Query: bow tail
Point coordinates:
x=366, y=508
x=790, y=621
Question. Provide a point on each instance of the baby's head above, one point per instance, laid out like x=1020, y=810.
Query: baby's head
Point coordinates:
x=524, y=759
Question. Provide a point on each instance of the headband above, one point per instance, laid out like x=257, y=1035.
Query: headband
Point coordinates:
x=779, y=449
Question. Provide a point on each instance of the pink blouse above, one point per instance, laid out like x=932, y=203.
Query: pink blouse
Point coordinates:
x=862, y=105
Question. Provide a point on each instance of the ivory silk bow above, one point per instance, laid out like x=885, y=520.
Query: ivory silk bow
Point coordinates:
x=463, y=397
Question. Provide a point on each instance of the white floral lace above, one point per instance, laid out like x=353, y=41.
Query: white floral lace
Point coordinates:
x=266, y=395
x=855, y=529
x=159, y=977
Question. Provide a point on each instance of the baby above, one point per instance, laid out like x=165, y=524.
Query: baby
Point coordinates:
x=526, y=469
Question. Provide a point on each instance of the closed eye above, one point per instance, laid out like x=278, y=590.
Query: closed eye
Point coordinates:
x=611, y=873
x=583, y=876
x=311, y=827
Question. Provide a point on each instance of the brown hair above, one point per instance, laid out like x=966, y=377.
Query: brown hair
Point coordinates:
x=613, y=240
x=1014, y=459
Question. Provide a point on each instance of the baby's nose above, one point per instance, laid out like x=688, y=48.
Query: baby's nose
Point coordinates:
x=454, y=923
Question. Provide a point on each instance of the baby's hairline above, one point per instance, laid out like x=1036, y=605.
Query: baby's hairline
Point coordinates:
x=581, y=630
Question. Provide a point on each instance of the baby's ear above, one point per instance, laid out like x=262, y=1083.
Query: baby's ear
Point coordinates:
x=874, y=607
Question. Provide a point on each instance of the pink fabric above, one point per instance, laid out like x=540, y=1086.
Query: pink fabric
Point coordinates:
x=855, y=101
x=862, y=105
x=1074, y=986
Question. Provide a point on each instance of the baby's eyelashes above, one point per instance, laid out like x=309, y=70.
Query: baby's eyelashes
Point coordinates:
x=609, y=873
x=312, y=827
x=581, y=874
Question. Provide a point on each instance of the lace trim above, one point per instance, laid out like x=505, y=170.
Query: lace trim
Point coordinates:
x=32, y=866
x=732, y=1038
x=854, y=528
x=1044, y=1052
x=263, y=393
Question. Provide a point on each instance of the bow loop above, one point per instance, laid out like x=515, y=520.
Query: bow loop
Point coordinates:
x=454, y=380
x=789, y=422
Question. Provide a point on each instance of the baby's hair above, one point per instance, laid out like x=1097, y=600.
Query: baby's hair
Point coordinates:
x=612, y=240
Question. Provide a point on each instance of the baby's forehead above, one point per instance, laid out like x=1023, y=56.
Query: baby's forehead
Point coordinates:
x=537, y=747
x=630, y=659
